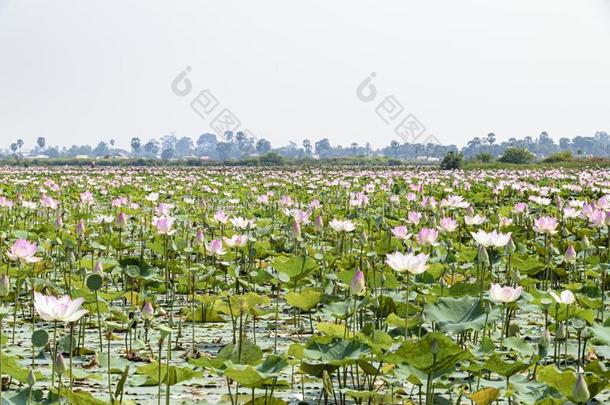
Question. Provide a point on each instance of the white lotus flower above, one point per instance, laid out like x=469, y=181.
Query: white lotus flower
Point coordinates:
x=491, y=239
x=414, y=264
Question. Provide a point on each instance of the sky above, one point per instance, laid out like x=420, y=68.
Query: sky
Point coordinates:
x=349, y=70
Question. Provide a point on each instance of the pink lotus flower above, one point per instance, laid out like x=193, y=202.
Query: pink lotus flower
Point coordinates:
x=163, y=209
x=318, y=223
x=413, y=264
x=63, y=309
x=427, y=236
x=164, y=225
x=546, y=225
x=401, y=232
x=447, y=225
x=414, y=217
x=48, y=202
x=301, y=217
x=221, y=217
x=489, y=239
x=215, y=248
x=504, y=294
x=521, y=208
x=23, y=251
x=86, y=198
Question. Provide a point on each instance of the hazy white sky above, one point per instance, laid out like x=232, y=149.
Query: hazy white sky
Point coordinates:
x=82, y=71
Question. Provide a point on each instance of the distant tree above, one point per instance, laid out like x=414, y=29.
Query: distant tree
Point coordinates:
x=323, y=148
x=223, y=149
x=263, y=146
x=206, y=144
x=41, y=141
x=168, y=141
x=394, y=146
x=452, y=161
x=19, y=144
x=14, y=147
x=101, y=149
x=151, y=148
x=564, y=143
x=307, y=146
x=112, y=142
x=167, y=154
x=516, y=155
x=184, y=146
x=135, y=145
x=491, y=138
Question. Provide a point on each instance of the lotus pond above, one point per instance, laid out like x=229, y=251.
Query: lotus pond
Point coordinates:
x=304, y=285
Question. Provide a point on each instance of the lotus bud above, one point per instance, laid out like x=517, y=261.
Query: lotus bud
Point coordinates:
x=585, y=243
x=121, y=220
x=357, y=285
x=482, y=256
x=5, y=285
x=580, y=393
x=243, y=305
x=318, y=224
x=98, y=268
x=80, y=228
x=434, y=347
x=161, y=311
x=147, y=311
x=564, y=232
x=199, y=238
x=558, y=203
x=59, y=222
x=545, y=339
x=570, y=255
x=31, y=380
x=363, y=238
x=296, y=230
x=60, y=364
x=19, y=198
x=510, y=246
x=561, y=333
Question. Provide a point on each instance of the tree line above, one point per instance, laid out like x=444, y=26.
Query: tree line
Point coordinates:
x=234, y=146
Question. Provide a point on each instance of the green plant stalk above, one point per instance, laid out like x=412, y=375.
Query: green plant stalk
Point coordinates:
x=167, y=374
